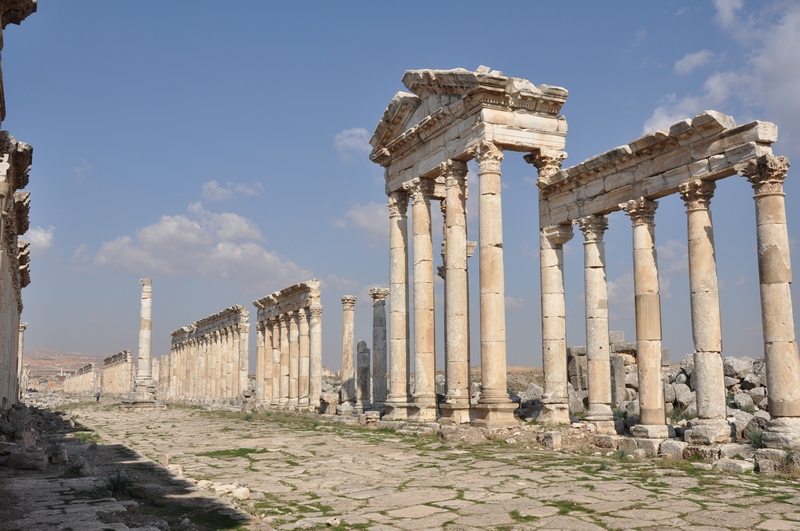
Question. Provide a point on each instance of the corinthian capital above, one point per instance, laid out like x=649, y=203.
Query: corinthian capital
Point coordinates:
x=642, y=211
x=697, y=194
x=349, y=302
x=315, y=310
x=547, y=161
x=488, y=155
x=558, y=234
x=398, y=204
x=766, y=173
x=453, y=171
x=593, y=227
x=420, y=189
x=378, y=295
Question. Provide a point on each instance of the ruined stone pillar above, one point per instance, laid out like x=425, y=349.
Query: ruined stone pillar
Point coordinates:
x=767, y=174
x=21, y=384
x=554, y=324
x=244, y=362
x=260, y=342
x=379, y=391
x=456, y=295
x=266, y=359
x=648, y=318
x=304, y=358
x=315, y=357
x=424, y=399
x=597, y=342
x=363, y=399
x=348, y=367
x=275, y=401
x=494, y=408
x=223, y=363
x=283, y=398
x=144, y=375
x=201, y=369
x=397, y=401
x=294, y=360
x=709, y=378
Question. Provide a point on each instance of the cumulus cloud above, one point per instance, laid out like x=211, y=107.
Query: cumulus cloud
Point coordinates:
x=514, y=303
x=692, y=61
x=726, y=11
x=352, y=143
x=41, y=240
x=673, y=258
x=215, y=246
x=372, y=219
x=213, y=191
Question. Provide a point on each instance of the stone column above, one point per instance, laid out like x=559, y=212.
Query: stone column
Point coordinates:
x=304, y=357
x=494, y=408
x=260, y=342
x=363, y=399
x=424, y=399
x=21, y=385
x=554, y=324
x=648, y=319
x=709, y=377
x=232, y=377
x=455, y=410
x=201, y=370
x=597, y=342
x=277, y=328
x=224, y=382
x=315, y=357
x=397, y=401
x=379, y=391
x=266, y=359
x=244, y=361
x=767, y=174
x=144, y=375
x=283, y=398
x=294, y=359
x=348, y=367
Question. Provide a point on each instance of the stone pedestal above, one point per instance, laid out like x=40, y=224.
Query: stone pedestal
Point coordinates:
x=493, y=416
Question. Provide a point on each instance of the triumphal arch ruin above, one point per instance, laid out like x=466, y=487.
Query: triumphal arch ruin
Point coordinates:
x=424, y=140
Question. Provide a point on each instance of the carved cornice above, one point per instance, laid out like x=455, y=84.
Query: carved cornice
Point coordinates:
x=766, y=173
x=558, y=235
x=697, y=194
x=420, y=190
x=488, y=156
x=547, y=162
x=378, y=296
x=642, y=211
x=349, y=302
x=398, y=204
x=15, y=11
x=22, y=208
x=593, y=227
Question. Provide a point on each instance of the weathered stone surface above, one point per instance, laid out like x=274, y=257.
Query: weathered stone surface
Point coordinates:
x=683, y=395
x=734, y=465
x=672, y=448
x=32, y=460
x=737, y=367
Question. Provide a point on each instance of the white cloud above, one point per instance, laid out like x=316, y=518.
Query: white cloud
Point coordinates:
x=639, y=36
x=344, y=284
x=620, y=296
x=82, y=170
x=692, y=61
x=673, y=257
x=80, y=259
x=212, y=191
x=41, y=240
x=514, y=303
x=352, y=143
x=216, y=246
x=726, y=11
x=372, y=219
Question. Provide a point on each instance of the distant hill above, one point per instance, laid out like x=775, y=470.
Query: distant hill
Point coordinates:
x=52, y=362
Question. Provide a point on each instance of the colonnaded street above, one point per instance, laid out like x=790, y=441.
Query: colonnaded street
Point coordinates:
x=303, y=473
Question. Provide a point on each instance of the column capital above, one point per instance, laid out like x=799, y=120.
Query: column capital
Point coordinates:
x=593, y=227
x=378, y=296
x=642, y=211
x=454, y=171
x=488, y=155
x=558, y=234
x=349, y=302
x=398, y=203
x=420, y=189
x=766, y=173
x=272, y=321
x=547, y=161
x=697, y=194
x=301, y=313
x=315, y=310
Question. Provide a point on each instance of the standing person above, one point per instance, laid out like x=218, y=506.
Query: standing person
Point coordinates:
x=97, y=396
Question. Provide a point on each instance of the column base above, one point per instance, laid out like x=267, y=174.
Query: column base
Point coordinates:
x=422, y=412
x=454, y=414
x=605, y=427
x=599, y=412
x=708, y=431
x=396, y=411
x=495, y=415
x=303, y=404
x=141, y=401
x=554, y=414
x=652, y=431
x=782, y=432
x=345, y=409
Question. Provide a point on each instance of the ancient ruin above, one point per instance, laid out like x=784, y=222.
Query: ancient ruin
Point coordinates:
x=379, y=367
x=85, y=381
x=289, y=348
x=118, y=374
x=208, y=359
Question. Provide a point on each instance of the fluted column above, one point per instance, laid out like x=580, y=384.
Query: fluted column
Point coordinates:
x=424, y=398
x=494, y=408
x=266, y=360
x=315, y=357
x=554, y=324
x=284, y=389
x=244, y=361
x=260, y=342
x=379, y=392
x=348, y=366
x=597, y=343
x=397, y=401
x=456, y=295
x=648, y=318
x=276, y=361
x=294, y=360
x=766, y=174
x=304, y=356
x=709, y=377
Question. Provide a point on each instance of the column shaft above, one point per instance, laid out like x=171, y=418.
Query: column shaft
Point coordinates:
x=348, y=364
x=315, y=357
x=398, y=398
x=379, y=390
x=283, y=397
x=304, y=359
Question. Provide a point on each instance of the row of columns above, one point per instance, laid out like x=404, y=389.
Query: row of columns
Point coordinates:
x=289, y=364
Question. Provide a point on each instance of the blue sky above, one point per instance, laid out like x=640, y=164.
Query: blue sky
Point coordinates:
x=223, y=151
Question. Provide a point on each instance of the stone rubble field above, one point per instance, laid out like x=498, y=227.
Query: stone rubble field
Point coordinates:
x=280, y=471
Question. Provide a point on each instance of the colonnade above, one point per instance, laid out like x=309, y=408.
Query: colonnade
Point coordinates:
x=289, y=348
x=118, y=374
x=209, y=358
x=84, y=381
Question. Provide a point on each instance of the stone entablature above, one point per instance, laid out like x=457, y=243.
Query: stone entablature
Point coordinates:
x=209, y=358
x=118, y=374
x=84, y=381
x=289, y=347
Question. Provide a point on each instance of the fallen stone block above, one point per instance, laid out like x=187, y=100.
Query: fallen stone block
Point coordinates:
x=672, y=449
x=36, y=460
x=734, y=465
x=552, y=440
